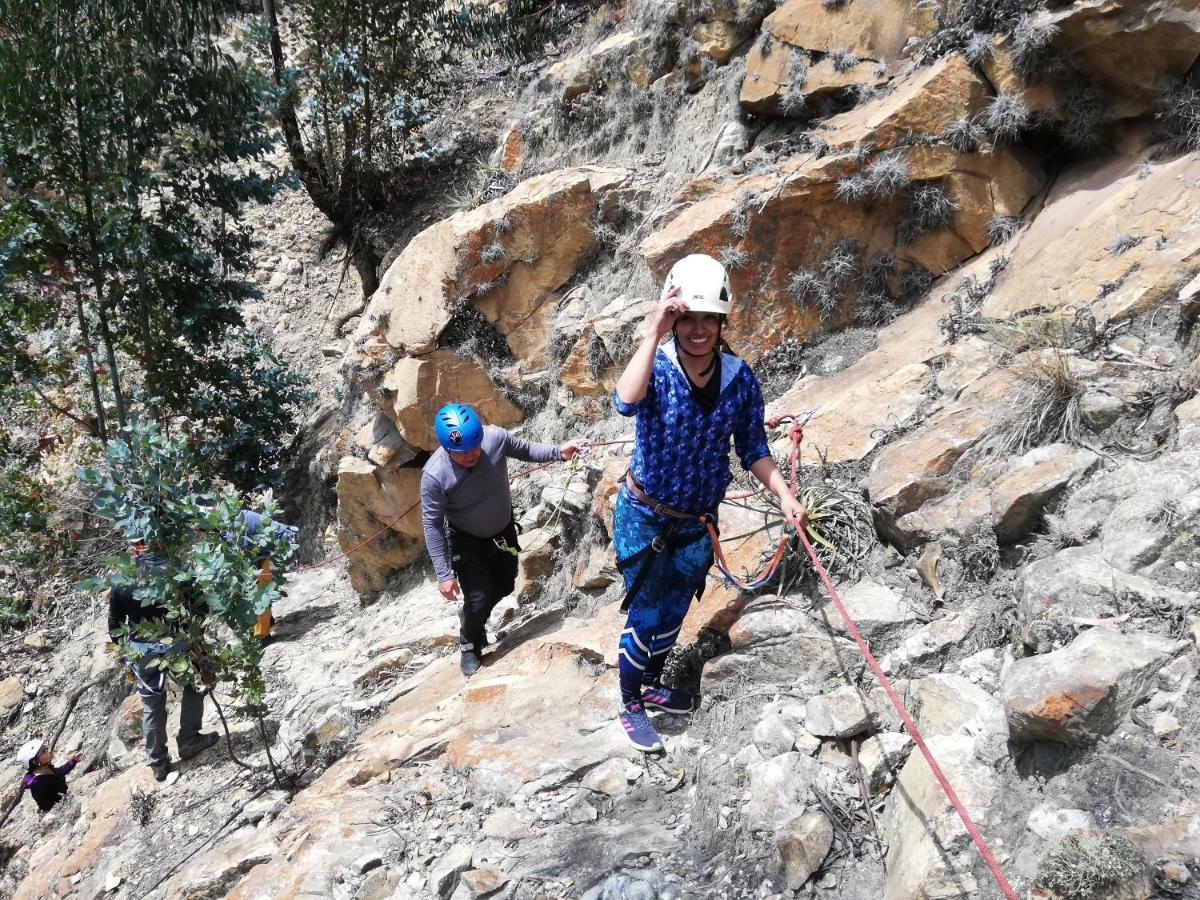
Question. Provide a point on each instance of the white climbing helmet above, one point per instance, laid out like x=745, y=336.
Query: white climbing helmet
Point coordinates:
x=28, y=751
x=703, y=284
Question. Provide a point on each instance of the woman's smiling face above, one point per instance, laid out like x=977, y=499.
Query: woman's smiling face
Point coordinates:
x=697, y=332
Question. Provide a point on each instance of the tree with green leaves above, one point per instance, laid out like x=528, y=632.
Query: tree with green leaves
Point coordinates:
x=155, y=493
x=129, y=139
x=356, y=95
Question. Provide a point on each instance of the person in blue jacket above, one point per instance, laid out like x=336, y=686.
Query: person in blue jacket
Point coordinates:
x=689, y=398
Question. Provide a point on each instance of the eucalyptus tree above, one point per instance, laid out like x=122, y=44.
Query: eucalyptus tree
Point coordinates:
x=129, y=139
x=361, y=86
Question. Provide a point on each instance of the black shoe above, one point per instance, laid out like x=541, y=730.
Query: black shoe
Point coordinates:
x=470, y=662
x=198, y=744
x=161, y=770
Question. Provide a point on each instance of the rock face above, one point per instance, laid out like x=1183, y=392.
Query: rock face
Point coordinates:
x=803, y=845
x=379, y=518
x=1083, y=691
x=790, y=219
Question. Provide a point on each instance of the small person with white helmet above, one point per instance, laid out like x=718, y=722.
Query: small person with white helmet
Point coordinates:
x=467, y=515
x=690, y=398
x=46, y=782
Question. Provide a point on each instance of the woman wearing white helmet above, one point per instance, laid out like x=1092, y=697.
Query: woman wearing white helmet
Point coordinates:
x=46, y=782
x=690, y=397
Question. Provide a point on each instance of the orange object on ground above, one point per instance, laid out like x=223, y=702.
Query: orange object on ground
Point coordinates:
x=262, y=624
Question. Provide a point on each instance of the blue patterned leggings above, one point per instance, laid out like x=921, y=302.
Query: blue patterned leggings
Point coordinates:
x=664, y=593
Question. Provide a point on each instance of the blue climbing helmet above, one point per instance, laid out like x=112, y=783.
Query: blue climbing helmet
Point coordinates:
x=458, y=428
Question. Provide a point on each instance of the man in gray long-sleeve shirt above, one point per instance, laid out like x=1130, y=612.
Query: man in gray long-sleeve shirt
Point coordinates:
x=467, y=515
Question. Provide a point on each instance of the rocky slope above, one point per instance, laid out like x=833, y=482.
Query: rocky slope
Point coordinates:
x=990, y=326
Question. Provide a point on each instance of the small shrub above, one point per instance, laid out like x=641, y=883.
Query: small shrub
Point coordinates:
x=887, y=174
x=878, y=273
x=142, y=805
x=840, y=265
x=734, y=257
x=1030, y=48
x=979, y=554
x=914, y=282
x=492, y=253
x=766, y=43
x=803, y=284
x=963, y=135
x=852, y=188
x=1085, y=864
x=503, y=225
x=1083, y=107
x=1043, y=407
x=875, y=310
x=1123, y=242
x=1001, y=229
x=738, y=222
x=833, y=4
x=930, y=208
x=1005, y=117
x=843, y=60
x=751, y=14
x=1179, y=117
x=979, y=49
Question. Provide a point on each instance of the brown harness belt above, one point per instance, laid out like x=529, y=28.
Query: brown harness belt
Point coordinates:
x=654, y=505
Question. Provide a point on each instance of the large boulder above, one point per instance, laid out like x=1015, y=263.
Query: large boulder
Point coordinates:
x=923, y=102
x=792, y=218
x=1110, y=213
x=1083, y=691
x=418, y=386
x=507, y=258
x=379, y=520
x=870, y=29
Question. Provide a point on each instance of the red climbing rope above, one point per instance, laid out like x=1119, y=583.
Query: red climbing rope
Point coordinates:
x=913, y=732
x=767, y=572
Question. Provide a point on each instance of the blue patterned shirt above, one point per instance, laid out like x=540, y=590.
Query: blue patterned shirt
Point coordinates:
x=681, y=457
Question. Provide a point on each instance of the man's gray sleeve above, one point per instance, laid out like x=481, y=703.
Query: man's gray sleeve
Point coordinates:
x=433, y=520
x=519, y=448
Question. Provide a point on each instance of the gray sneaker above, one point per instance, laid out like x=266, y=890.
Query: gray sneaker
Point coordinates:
x=470, y=662
x=198, y=744
x=161, y=770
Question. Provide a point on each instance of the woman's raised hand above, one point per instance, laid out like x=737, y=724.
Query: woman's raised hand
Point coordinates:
x=669, y=309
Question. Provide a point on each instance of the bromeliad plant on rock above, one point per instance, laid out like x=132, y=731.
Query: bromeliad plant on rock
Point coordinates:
x=205, y=562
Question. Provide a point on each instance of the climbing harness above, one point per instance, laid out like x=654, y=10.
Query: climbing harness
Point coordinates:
x=913, y=731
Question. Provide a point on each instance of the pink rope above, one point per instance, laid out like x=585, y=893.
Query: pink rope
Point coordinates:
x=913, y=732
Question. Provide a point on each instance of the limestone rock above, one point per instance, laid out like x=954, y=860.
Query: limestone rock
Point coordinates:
x=1187, y=415
x=129, y=720
x=372, y=499
x=1050, y=823
x=839, y=714
x=876, y=609
x=769, y=77
x=803, y=844
x=1035, y=478
x=597, y=571
x=779, y=790
x=484, y=880
x=772, y=736
x=925, y=101
x=383, y=443
x=608, y=778
x=929, y=851
x=12, y=692
x=604, y=497
x=506, y=825
x=1092, y=202
x=384, y=666
x=870, y=29
x=443, y=877
x=417, y=387
x=717, y=40
x=1137, y=507
x=913, y=470
x=929, y=642
x=508, y=256
x=881, y=757
x=1083, y=691
x=1077, y=583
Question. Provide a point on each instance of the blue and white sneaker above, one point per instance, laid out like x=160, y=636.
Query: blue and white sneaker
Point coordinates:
x=638, y=730
x=657, y=696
